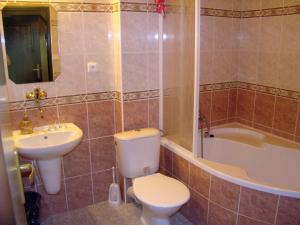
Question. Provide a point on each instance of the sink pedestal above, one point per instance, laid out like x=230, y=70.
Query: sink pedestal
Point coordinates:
x=50, y=171
x=48, y=146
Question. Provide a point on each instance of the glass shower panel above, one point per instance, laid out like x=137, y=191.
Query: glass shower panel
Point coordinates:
x=178, y=71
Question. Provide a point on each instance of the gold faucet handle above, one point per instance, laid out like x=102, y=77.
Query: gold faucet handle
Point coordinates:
x=43, y=94
x=30, y=95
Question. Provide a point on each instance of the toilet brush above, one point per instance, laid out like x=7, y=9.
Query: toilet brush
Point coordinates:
x=114, y=191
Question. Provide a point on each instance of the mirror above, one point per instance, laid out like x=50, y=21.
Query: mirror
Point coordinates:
x=30, y=32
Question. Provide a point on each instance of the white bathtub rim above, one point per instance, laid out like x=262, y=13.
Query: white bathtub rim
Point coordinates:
x=245, y=182
x=252, y=130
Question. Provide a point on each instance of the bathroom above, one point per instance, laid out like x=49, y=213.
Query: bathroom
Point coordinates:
x=177, y=66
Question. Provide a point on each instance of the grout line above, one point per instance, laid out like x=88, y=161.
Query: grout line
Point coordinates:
x=230, y=210
x=148, y=114
x=211, y=106
x=239, y=202
x=274, y=113
x=91, y=169
x=103, y=171
x=208, y=211
x=86, y=174
x=237, y=102
x=256, y=220
x=189, y=173
x=115, y=120
x=254, y=106
x=297, y=120
x=81, y=175
x=196, y=191
x=96, y=138
x=209, y=196
x=277, y=208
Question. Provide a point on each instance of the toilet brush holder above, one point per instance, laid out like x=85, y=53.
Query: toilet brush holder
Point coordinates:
x=114, y=197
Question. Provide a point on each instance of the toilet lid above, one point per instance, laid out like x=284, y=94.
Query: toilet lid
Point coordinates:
x=160, y=190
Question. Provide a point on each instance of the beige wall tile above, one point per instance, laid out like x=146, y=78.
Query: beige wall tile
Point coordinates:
x=217, y=4
x=250, y=34
x=271, y=29
x=265, y=4
x=103, y=79
x=289, y=68
x=206, y=33
x=72, y=79
x=223, y=33
x=247, y=69
x=206, y=67
x=222, y=67
x=15, y=91
x=152, y=71
x=268, y=69
x=98, y=32
x=291, y=2
x=152, y=32
x=250, y=4
x=134, y=33
x=134, y=72
x=70, y=32
x=291, y=33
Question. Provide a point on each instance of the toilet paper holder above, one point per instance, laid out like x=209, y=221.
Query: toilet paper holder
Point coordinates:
x=27, y=170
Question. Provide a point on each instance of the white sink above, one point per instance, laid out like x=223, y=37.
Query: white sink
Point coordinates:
x=47, y=146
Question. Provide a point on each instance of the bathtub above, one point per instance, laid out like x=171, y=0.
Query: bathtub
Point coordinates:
x=249, y=158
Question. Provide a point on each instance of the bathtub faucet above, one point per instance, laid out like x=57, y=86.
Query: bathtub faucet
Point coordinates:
x=203, y=120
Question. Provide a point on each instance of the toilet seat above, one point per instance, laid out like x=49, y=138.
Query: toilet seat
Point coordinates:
x=160, y=191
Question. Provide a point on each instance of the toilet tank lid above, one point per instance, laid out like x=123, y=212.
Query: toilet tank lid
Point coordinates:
x=138, y=133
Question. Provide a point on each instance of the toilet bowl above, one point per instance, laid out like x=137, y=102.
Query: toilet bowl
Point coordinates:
x=138, y=159
x=161, y=196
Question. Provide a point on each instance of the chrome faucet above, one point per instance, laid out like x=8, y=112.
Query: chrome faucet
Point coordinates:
x=203, y=120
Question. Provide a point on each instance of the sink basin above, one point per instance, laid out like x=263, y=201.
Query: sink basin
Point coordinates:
x=47, y=146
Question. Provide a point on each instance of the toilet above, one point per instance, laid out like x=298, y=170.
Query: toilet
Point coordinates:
x=138, y=159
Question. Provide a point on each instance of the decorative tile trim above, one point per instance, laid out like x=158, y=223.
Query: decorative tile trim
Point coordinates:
x=154, y=93
x=251, y=87
x=139, y=95
x=72, y=99
x=220, y=13
x=105, y=8
x=151, y=7
x=21, y=105
x=271, y=12
x=101, y=96
x=133, y=7
x=67, y=7
x=218, y=86
x=281, y=11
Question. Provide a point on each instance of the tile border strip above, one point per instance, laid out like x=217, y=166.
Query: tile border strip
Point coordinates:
x=251, y=87
x=220, y=13
x=139, y=95
x=73, y=99
x=280, y=11
x=151, y=7
x=104, y=7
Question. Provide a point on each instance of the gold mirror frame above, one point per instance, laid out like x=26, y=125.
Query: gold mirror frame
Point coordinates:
x=53, y=32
